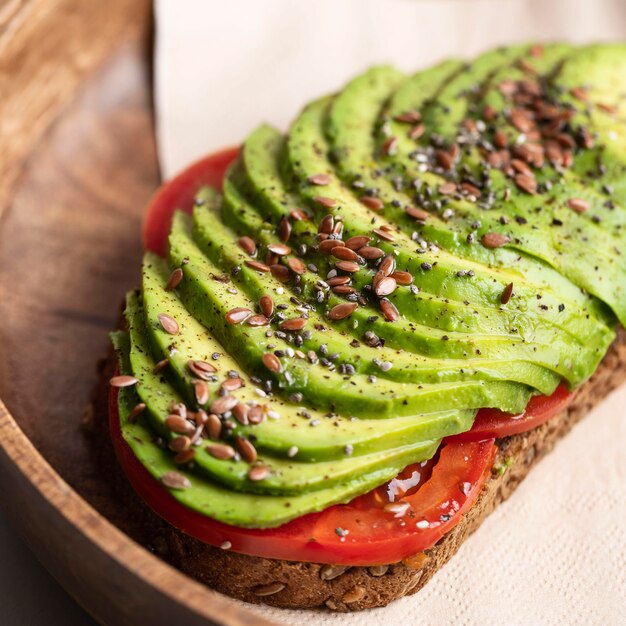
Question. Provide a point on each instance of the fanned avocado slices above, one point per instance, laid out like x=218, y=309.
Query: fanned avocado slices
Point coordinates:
x=412, y=249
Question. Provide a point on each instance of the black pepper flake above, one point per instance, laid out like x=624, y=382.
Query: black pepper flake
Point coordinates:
x=426, y=267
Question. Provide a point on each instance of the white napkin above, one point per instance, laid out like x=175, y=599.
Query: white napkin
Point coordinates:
x=556, y=552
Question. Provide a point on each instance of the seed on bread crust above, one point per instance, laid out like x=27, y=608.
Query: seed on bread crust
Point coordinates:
x=268, y=590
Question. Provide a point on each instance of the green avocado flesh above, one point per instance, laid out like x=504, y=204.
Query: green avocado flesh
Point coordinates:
x=413, y=249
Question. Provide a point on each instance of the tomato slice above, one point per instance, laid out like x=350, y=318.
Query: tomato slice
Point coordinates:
x=493, y=424
x=179, y=193
x=393, y=522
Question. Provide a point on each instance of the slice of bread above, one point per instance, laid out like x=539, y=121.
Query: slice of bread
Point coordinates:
x=295, y=584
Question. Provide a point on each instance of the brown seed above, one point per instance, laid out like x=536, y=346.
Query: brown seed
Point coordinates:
x=294, y=324
x=258, y=472
x=390, y=146
x=246, y=449
x=376, y=204
x=579, y=93
x=347, y=266
x=447, y=189
x=284, y=230
x=526, y=183
x=341, y=311
x=280, y=272
x=201, y=369
x=123, y=381
x=256, y=415
x=257, y=320
x=328, y=245
x=178, y=408
x=280, y=249
x=179, y=425
x=258, y=266
x=272, y=363
x=489, y=113
x=136, y=412
x=271, y=259
x=521, y=167
x=296, y=265
x=354, y=595
x=344, y=253
x=607, y=108
x=220, y=451
x=168, y=324
x=389, y=310
x=240, y=411
x=247, y=245
x=213, y=426
x=185, y=456
x=223, y=404
x=521, y=120
x=232, y=384
x=470, y=190
x=160, y=366
x=387, y=285
x=371, y=253
x=444, y=159
x=175, y=279
x=388, y=265
x=507, y=87
x=201, y=417
x=417, y=214
x=343, y=290
x=578, y=204
x=409, y=117
x=383, y=234
x=402, y=278
x=268, y=590
x=326, y=225
x=201, y=391
x=319, y=179
x=180, y=443
x=298, y=215
x=238, y=315
x=494, y=240
x=266, y=304
x=175, y=480
x=537, y=51
x=357, y=242
x=417, y=131
x=325, y=202
x=339, y=280
x=566, y=141
x=506, y=293
x=500, y=139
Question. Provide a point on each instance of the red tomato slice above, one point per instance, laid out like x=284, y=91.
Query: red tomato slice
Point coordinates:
x=394, y=522
x=493, y=424
x=179, y=193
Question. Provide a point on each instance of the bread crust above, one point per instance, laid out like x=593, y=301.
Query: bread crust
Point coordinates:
x=293, y=584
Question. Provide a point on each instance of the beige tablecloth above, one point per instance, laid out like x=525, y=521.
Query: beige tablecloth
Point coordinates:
x=556, y=552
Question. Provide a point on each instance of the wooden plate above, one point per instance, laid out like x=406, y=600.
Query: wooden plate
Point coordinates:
x=77, y=167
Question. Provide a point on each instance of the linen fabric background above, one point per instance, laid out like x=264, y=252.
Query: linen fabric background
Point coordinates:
x=555, y=553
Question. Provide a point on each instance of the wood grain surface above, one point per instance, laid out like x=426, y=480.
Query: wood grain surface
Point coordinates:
x=78, y=165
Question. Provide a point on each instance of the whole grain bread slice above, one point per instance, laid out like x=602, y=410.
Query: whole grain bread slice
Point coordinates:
x=293, y=584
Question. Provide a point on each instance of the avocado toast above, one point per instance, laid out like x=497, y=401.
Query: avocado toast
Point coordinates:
x=358, y=344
